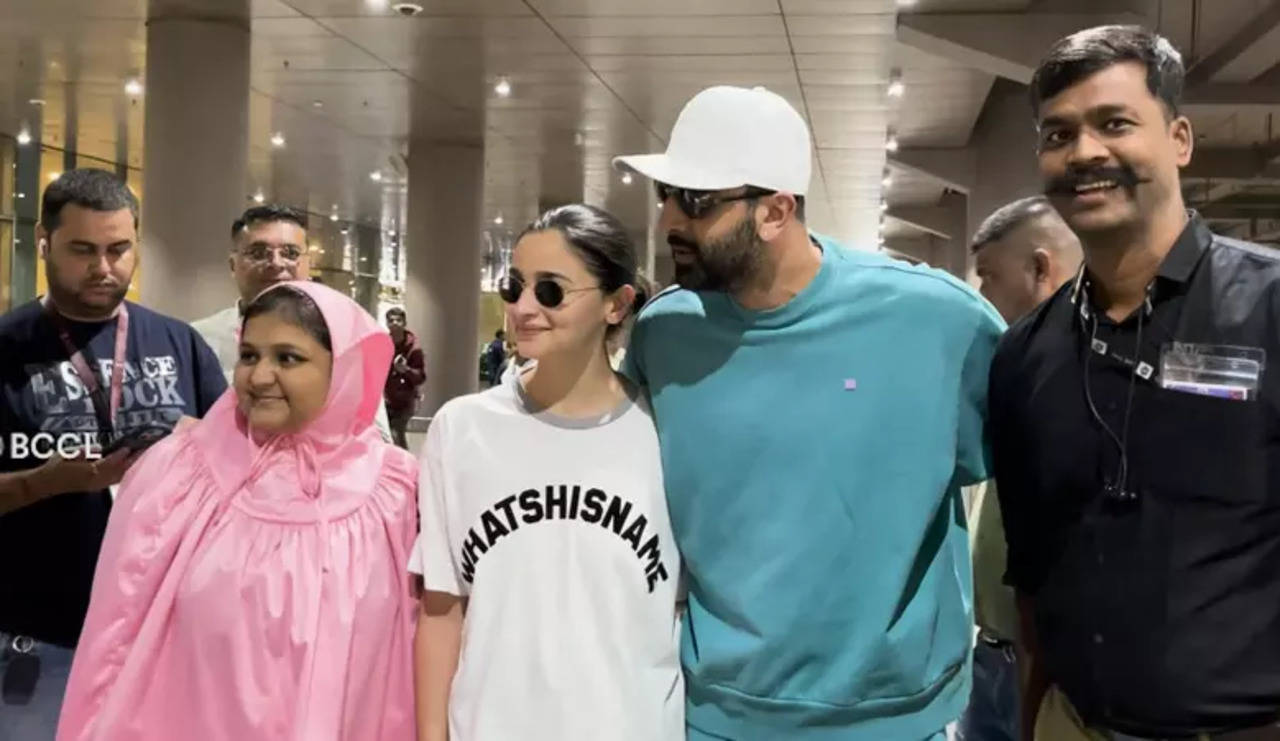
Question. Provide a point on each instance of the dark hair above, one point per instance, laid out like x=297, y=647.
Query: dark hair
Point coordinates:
x=1092, y=50
x=295, y=307
x=601, y=241
x=397, y=311
x=1009, y=217
x=98, y=190
x=499, y=334
x=268, y=213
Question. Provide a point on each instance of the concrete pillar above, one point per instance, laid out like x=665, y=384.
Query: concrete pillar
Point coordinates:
x=195, y=154
x=442, y=288
x=954, y=207
x=1005, y=140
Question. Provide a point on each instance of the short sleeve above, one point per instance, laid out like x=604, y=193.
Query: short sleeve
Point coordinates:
x=209, y=381
x=433, y=553
x=633, y=360
x=1010, y=456
x=973, y=455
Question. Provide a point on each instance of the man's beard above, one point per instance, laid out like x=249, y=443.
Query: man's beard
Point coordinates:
x=72, y=301
x=729, y=264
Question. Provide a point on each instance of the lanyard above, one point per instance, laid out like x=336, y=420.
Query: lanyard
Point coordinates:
x=105, y=411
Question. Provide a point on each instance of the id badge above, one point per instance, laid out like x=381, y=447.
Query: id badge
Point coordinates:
x=1222, y=371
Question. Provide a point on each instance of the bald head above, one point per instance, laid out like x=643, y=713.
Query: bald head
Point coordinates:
x=1024, y=252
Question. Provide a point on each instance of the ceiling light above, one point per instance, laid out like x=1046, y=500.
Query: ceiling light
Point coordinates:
x=884, y=207
x=38, y=102
x=258, y=197
x=887, y=181
x=24, y=138
x=376, y=4
x=626, y=178
x=317, y=104
x=497, y=220
x=892, y=144
x=133, y=87
x=391, y=233
x=277, y=140
x=906, y=3
x=22, y=195
x=333, y=216
x=376, y=176
x=503, y=88
x=896, y=89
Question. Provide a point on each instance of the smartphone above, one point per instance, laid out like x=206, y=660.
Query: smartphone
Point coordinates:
x=137, y=440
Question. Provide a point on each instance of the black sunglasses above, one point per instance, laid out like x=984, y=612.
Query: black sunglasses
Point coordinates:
x=548, y=292
x=698, y=203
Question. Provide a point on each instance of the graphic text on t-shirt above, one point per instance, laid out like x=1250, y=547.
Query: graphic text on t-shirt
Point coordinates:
x=565, y=502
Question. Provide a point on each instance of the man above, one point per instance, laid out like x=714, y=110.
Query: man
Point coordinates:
x=408, y=373
x=268, y=246
x=80, y=369
x=495, y=357
x=1131, y=418
x=1024, y=253
x=819, y=409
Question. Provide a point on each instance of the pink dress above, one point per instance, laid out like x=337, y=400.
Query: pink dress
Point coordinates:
x=252, y=592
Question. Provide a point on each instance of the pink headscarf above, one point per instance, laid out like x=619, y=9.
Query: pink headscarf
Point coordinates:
x=342, y=439
x=258, y=590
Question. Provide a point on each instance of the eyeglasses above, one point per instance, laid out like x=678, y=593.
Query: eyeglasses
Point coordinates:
x=263, y=254
x=548, y=292
x=698, y=203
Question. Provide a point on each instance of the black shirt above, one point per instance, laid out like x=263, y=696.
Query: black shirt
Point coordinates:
x=48, y=550
x=1157, y=615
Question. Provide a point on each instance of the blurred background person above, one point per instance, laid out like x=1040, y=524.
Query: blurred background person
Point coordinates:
x=408, y=373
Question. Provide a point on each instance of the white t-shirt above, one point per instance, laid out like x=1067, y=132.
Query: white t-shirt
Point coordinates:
x=557, y=532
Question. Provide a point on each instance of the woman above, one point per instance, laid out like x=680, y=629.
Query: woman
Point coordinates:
x=250, y=584
x=546, y=551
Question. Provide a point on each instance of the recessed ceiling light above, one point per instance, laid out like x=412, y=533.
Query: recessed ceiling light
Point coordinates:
x=277, y=140
x=258, y=197
x=503, y=88
x=36, y=102
x=376, y=176
x=391, y=233
x=24, y=138
x=333, y=216
x=133, y=87
x=317, y=104
x=884, y=207
x=896, y=89
x=906, y=3
x=892, y=144
x=626, y=178
x=497, y=220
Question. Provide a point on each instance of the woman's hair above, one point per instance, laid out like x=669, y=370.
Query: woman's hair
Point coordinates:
x=600, y=240
x=294, y=307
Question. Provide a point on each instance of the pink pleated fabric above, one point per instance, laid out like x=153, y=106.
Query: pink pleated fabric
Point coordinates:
x=251, y=592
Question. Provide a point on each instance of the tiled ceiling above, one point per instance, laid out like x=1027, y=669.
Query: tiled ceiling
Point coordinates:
x=352, y=85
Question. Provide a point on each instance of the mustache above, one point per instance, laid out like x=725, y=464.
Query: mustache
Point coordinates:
x=1122, y=175
x=675, y=240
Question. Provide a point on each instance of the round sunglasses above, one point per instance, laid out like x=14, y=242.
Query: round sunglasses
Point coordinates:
x=549, y=293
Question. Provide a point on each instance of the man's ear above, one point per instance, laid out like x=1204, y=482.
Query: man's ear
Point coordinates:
x=779, y=210
x=1041, y=264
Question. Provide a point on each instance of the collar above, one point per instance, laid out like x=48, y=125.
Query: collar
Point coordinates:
x=1178, y=265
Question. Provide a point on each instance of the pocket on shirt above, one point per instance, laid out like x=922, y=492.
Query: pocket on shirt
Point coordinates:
x=1204, y=447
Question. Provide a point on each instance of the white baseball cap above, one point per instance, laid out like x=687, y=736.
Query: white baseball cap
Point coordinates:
x=728, y=137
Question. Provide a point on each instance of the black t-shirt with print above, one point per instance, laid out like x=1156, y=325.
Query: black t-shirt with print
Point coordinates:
x=48, y=550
